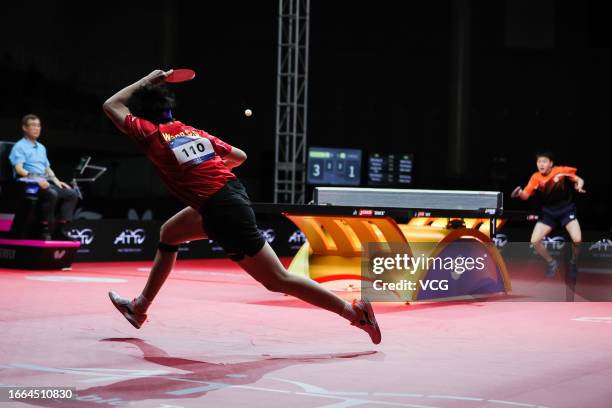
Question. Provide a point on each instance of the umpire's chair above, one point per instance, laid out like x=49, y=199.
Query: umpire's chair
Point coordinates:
x=18, y=201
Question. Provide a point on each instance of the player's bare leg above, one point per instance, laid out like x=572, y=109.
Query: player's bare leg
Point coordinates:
x=184, y=226
x=573, y=228
x=267, y=269
x=539, y=232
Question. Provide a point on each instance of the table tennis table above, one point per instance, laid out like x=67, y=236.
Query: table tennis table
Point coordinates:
x=340, y=222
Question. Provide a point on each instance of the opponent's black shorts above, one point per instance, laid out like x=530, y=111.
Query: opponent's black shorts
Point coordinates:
x=227, y=217
x=560, y=216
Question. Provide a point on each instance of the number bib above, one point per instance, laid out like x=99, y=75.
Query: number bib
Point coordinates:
x=190, y=151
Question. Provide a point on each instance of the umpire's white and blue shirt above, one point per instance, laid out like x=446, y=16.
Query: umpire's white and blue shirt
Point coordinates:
x=32, y=155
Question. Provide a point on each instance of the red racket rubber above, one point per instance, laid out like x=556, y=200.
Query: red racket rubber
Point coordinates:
x=180, y=75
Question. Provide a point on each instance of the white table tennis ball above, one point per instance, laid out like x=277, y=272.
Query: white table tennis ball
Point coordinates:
x=248, y=112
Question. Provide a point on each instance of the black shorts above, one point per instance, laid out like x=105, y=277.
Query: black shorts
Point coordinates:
x=227, y=217
x=560, y=216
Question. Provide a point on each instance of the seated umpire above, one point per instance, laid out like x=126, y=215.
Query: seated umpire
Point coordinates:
x=57, y=199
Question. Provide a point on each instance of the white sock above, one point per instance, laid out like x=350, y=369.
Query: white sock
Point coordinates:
x=348, y=312
x=140, y=304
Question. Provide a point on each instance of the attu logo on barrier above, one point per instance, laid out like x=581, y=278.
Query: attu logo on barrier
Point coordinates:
x=131, y=237
x=554, y=243
x=268, y=234
x=500, y=240
x=601, y=249
x=601, y=245
x=297, y=237
x=85, y=236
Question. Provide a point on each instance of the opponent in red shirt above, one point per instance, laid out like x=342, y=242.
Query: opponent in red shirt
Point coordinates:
x=558, y=208
x=196, y=168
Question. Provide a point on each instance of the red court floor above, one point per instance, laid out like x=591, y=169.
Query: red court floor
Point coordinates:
x=215, y=338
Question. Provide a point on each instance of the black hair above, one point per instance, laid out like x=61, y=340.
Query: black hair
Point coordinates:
x=545, y=153
x=29, y=117
x=153, y=103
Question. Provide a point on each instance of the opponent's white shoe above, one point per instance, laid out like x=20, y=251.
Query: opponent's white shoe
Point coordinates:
x=126, y=308
x=366, y=320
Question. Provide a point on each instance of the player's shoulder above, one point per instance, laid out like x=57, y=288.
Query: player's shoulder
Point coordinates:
x=181, y=126
x=563, y=169
x=536, y=175
x=142, y=125
x=21, y=143
x=130, y=118
x=193, y=130
x=202, y=132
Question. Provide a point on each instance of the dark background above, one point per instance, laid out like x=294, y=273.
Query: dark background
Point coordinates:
x=380, y=80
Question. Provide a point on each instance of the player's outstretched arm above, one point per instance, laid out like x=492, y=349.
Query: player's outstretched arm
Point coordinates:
x=520, y=193
x=116, y=108
x=578, y=181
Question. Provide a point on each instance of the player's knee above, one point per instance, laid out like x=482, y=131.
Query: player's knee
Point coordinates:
x=166, y=234
x=275, y=283
x=536, y=240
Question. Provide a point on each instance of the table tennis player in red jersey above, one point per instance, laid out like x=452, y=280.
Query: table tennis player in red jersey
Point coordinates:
x=197, y=168
x=558, y=208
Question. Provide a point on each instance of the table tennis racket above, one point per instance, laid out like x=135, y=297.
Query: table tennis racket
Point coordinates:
x=180, y=75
